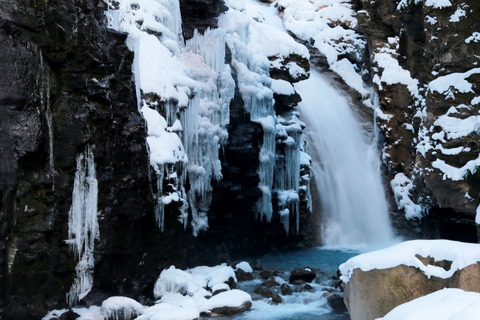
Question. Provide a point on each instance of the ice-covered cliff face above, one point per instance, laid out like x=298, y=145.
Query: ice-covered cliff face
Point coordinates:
x=425, y=68
x=185, y=89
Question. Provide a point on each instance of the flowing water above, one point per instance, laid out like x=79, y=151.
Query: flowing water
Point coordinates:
x=300, y=305
x=345, y=168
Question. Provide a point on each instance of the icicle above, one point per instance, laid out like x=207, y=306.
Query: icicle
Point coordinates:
x=83, y=225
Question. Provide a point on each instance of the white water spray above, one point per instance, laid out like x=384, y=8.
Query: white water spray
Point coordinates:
x=345, y=167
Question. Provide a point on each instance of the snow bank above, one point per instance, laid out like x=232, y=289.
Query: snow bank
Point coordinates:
x=446, y=304
x=461, y=254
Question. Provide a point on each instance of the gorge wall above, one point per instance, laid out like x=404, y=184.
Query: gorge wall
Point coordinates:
x=73, y=118
x=424, y=68
x=67, y=96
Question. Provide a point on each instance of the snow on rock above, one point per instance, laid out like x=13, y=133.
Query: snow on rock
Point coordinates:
x=245, y=266
x=456, y=128
x=393, y=73
x=192, y=289
x=401, y=186
x=446, y=304
x=454, y=173
x=461, y=254
x=165, y=311
x=329, y=26
x=452, y=83
x=475, y=37
x=282, y=87
x=229, y=302
x=191, y=281
x=121, y=308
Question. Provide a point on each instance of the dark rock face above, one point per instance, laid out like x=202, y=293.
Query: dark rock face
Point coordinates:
x=66, y=84
x=429, y=43
x=200, y=15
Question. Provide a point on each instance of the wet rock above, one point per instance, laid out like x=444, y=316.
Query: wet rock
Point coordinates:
x=298, y=282
x=243, y=276
x=256, y=265
x=264, y=291
x=285, y=289
x=305, y=274
x=265, y=274
x=271, y=282
x=276, y=299
x=335, y=301
x=227, y=311
x=307, y=287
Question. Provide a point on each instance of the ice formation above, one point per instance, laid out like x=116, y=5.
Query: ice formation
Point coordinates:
x=185, y=89
x=83, y=224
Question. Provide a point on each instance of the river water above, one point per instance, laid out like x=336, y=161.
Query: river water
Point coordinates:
x=310, y=305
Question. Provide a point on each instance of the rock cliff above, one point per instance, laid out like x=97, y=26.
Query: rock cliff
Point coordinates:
x=424, y=66
x=67, y=87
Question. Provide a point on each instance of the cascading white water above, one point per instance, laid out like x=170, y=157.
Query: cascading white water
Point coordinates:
x=345, y=167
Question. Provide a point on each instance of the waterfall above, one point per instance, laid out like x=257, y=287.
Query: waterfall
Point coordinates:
x=346, y=168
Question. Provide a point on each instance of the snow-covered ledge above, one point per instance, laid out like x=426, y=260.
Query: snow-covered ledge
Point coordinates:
x=376, y=282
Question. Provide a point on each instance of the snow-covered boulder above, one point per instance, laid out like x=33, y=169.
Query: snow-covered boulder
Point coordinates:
x=121, y=308
x=446, y=304
x=165, y=311
x=376, y=282
x=229, y=302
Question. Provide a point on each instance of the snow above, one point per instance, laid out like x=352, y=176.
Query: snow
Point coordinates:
x=445, y=304
x=461, y=254
x=83, y=227
x=165, y=311
x=234, y=298
x=438, y=4
x=121, y=308
x=455, y=128
x=347, y=71
x=401, y=186
x=475, y=37
x=244, y=266
x=184, y=94
x=454, y=173
x=477, y=215
x=454, y=82
x=282, y=87
x=393, y=73
x=329, y=26
x=459, y=13
x=191, y=281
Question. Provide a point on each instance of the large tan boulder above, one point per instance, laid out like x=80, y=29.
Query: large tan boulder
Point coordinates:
x=373, y=286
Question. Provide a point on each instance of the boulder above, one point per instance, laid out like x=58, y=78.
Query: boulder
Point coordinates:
x=379, y=281
x=306, y=274
x=271, y=282
x=335, y=301
x=121, y=308
x=285, y=289
x=230, y=302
